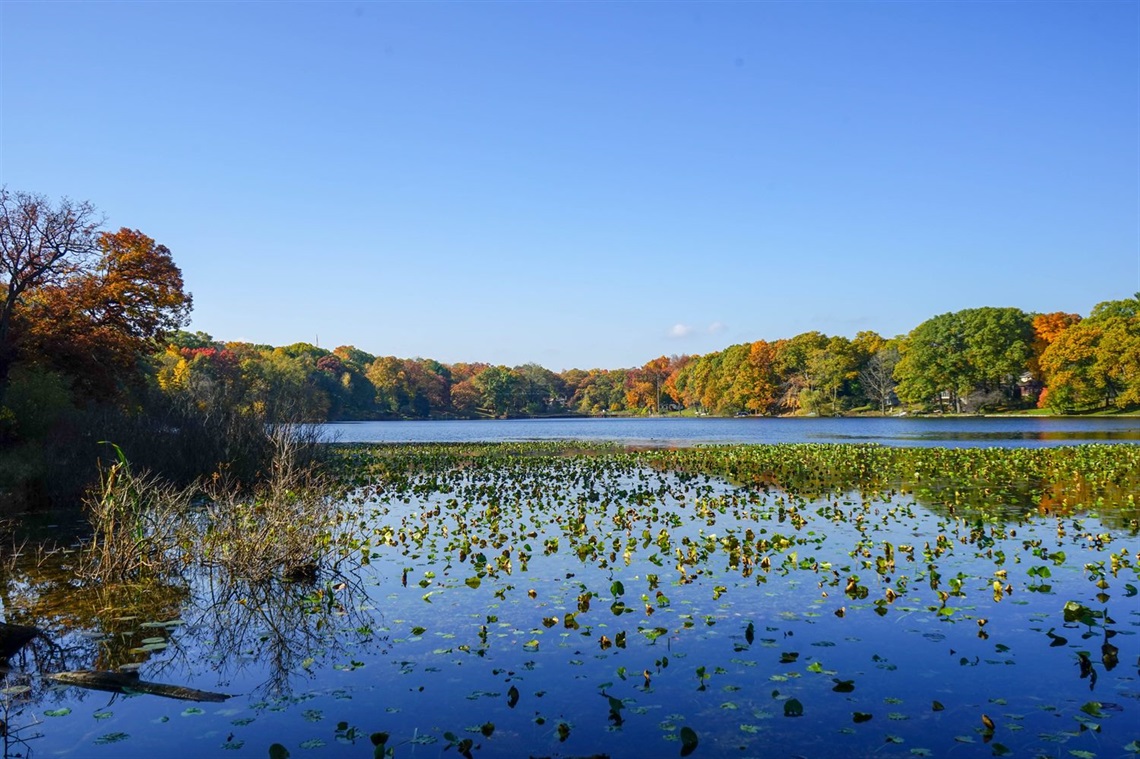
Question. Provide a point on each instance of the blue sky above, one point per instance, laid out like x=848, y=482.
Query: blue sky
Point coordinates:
x=591, y=184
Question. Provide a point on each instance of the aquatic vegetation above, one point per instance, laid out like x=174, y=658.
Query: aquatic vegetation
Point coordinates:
x=135, y=520
x=567, y=599
x=146, y=529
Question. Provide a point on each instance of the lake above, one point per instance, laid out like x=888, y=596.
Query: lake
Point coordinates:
x=528, y=600
x=685, y=431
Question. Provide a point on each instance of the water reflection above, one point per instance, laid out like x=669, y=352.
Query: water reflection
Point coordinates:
x=551, y=605
x=686, y=431
x=993, y=437
x=282, y=631
x=204, y=631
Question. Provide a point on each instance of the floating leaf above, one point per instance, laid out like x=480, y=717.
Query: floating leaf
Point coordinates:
x=103, y=740
x=689, y=740
x=1092, y=708
x=793, y=708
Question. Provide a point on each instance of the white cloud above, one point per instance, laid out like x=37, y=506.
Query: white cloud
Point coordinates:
x=680, y=330
x=717, y=327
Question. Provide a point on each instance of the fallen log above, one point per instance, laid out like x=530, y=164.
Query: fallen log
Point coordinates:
x=127, y=683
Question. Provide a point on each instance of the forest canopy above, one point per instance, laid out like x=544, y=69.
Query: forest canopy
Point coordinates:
x=975, y=360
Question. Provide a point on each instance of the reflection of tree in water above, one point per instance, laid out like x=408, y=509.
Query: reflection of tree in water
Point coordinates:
x=283, y=628
x=92, y=626
x=230, y=626
x=79, y=627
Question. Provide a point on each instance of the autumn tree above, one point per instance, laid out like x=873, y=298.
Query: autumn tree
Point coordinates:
x=707, y=381
x=644, y=386
x=465, y=397
x=392, y=385
x=759, y=377
x=96, y=322
x=831, y=367
x=1046, y=329
x=732, y=381
x=671, y=390
x=41, y=245
x=1095, y=362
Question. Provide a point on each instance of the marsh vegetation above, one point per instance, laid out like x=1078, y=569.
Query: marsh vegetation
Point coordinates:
x=570, y=599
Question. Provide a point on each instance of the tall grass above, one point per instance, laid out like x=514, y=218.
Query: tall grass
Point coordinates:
x=138, y=526
x=144, y=527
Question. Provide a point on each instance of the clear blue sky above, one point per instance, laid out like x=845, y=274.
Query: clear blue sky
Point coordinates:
x=591, y=184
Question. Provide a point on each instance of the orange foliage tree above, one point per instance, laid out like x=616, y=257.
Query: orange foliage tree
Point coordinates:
x=97, y=319
x=1046, y=329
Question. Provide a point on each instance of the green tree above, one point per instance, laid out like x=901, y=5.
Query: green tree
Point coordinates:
x=829, y=368
x=796, y=373
x=949, y=356
x=499, y=389
x=999, y=345
x=600, y=391
x=541, y=390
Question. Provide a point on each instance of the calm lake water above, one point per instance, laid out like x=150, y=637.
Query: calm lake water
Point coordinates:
x=616, y=605
x=956, y=432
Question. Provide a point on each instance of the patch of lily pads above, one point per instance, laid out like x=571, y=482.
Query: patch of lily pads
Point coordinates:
x=559, y=599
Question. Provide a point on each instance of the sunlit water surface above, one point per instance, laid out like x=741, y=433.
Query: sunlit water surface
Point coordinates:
x=563, y=608
x=681, y=431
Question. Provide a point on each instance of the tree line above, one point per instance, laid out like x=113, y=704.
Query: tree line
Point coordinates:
x=974, y=360
x=92, y=347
